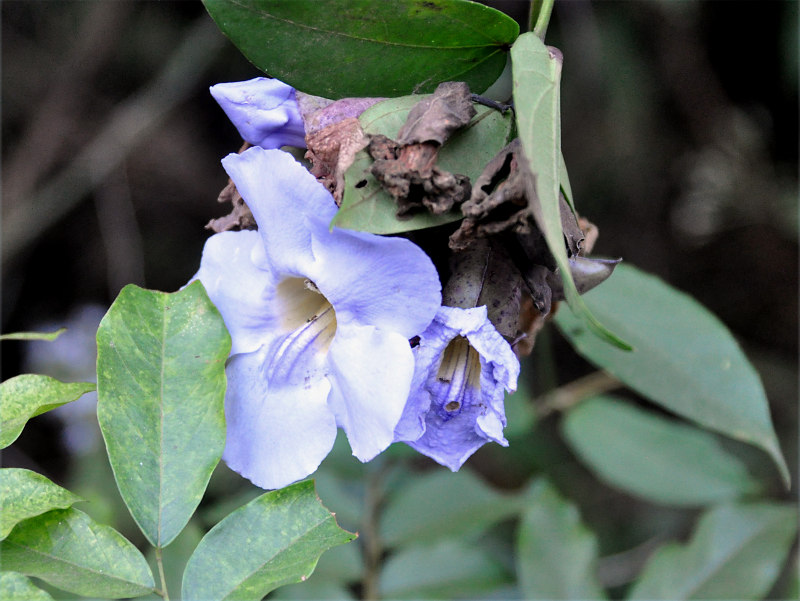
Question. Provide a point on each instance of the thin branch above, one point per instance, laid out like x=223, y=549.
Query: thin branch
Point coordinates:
x=571, y=394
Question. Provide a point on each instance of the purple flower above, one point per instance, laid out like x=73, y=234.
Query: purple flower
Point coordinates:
x=463, y=369
x=264, y=111
x=320, y=321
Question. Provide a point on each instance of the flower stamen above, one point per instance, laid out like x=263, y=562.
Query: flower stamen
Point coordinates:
x=460, y=368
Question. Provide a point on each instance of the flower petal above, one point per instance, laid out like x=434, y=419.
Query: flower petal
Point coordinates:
x=276, y=435
x=264, y=111
x=240, y=286
x=374, y=280
x=286, y=201
x=370, y=378
x=451, y=436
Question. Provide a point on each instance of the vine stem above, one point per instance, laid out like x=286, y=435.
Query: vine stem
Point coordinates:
x=160, y=562
x=539, y=17
x=569, y=395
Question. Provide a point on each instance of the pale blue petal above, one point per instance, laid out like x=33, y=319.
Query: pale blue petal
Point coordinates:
x=240, y=286
x=286, y=201
x=451, y=437
x=264, y=111
x=370, y=378
x=374, y=280
x=275, y=435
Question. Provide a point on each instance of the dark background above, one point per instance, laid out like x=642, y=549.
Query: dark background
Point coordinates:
x=680, y=123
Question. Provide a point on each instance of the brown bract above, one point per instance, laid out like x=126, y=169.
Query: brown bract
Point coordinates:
x=240, y=217
x=406, y=168
x=332, y=150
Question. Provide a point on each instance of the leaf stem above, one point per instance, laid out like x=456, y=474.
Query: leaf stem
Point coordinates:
x=160, y=562
x=539, y=17
x=373, y=548
x=569, y=395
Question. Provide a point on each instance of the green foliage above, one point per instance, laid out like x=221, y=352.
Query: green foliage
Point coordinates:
x=28, y=395
x=556, y=554
x=47, y=336
x=466, y=505
x=368, y=207
x=16, y=587
x=736, y=552
x=284, y=532
x=447, y=569
x=685, y=359
x=68, y=549
x=657, y=458
x=161, y=385
x=25, y=494
x=537, y=100
x=340, y=48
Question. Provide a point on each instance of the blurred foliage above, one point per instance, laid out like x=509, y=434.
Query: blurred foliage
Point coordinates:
x=680, y=149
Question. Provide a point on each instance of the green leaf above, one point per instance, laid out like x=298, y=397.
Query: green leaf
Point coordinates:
x=556, y=554
x=47, y=336
x=340, y=48
x=367, y=207
x=448, y=569
x=467, y=505
x=656, y=458
x=28, y=395
x=160, y=388
x=537, y=100
x=24, y=494
x=16, y=587
x=685, y=359
x=68, y=549
x=274, y=540
x=736, y=552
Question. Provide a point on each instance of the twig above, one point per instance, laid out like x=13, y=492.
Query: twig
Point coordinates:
x=127, y=126
x=571, y=394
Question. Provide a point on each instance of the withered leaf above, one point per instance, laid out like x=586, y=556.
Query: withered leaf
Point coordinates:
x=240, y=217
x=435, y=118
x=332, y=150
x=319, y=113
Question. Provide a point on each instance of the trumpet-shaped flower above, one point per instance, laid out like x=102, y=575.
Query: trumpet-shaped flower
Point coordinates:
x=463, y=369
x=264, y=111
x=320, y=322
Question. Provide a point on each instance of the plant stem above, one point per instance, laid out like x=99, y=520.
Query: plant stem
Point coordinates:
x=373, y=549
x=571, y=394
x=539, y=17
x=160, y=562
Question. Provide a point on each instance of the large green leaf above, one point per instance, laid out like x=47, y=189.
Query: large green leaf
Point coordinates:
x=24, y=494
x=736, y=552
x=654, y=457
x=160, y=388
x=367, y=207
x=339, y=48
x=470, y=506
x=17, y=587
x=685, y=359
x=449, y=569
x=26, y=396
x=556, y=554
x=68, y=549
x=537, y=101
x=275, y=539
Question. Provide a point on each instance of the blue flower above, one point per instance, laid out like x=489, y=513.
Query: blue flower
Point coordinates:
x=463, y=369
x=320, y=322
x=264, y=111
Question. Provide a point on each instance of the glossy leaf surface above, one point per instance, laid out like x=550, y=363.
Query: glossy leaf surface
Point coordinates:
x=736, y=552
x=556, y=554
x=537, y=100
x=685, y=359
x=24, y=494
x=660, y=459
x=341, y=48
x=68, y=549
x=275, y=539
x=28, y=395
x=367, y=207
x=160, y=387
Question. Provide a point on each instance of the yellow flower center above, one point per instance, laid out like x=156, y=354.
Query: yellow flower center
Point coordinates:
x=305, y=311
